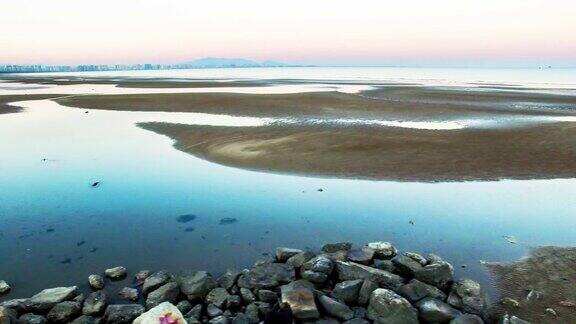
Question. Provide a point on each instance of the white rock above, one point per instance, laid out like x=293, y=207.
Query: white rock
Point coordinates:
x=153, y=315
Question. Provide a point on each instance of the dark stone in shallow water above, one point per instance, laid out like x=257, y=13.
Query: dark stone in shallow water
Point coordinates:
x=228, y=220
x=189, y=229
x=185, y=218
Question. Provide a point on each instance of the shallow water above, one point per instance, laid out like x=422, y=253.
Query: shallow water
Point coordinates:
x=56, y=229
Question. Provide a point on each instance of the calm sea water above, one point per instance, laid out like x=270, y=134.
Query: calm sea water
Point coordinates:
x=56, y=229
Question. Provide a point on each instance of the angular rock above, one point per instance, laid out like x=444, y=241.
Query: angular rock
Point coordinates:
x=368, y=286
x=7, y=315
x=386, y=265
x=140, y=276
x=116, y=272
x=263, y=308
x=362, y=256
x=319, y=264
x=435, y=311
x=31, y=319
x=155, y=280
x=300, y=298
x=96, y=281
x=315, y=277
x=184, y=306
x=154, y=315
x=64, y=312
x=4, y=287
x=467, y=295
x=228, y=279
x=357, y=321
x=467, y=319
x=268, y=275
x=17, y=303
x=284, y=253
x=383, y=250
x=213, y=311
x=347, y=291
x=85, y=319
x=241, y=318
x=299, y=259
x=387, y=307
x=129, y=293
x=247, y=295
x=267, y=296
x=406, y=266
x=167, y=293
x=218, y=297
x=253, y=312
x=335, y=247
x=220, y=320
x=122, y=314
x=359, y=312
x=94, y=304
x=335, y=308
x=418, y=258
x=233, y=302
x=416, y=290
x=47, y=298
x=197, y=285
x=439, y=274
x=353, y=271
x=195, y=312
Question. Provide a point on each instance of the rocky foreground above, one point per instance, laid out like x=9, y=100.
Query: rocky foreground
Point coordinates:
x=371, y=284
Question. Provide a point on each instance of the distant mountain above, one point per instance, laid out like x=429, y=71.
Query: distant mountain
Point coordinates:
x=215, y=62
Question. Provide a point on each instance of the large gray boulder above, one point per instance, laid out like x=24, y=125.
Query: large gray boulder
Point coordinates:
x=299, y=259
x=355, y=271
x=267, y=275
x=247, y=296
x=47, y=298
x=382, y=250
x=228, y=279
x=386, y=307
x=166, y=293
x=94, y=304
x=122, y=314
x=336, y=247
x=129, y=293
x=197, y=285
x=347, y=291
x=8, y=315
x=335, y=308
x=368, y=286
x=300, y=297
x=155, y=280
x=363, y=255
x=116, y=272
x=31, y=319
x=284, y=253
x=416, y=290
x=439, y=274
x=64, y=312
x=467, y=295
x=320, y=264
x=467, y=319
x=96, y=281
x=406, y=266
x=436, y=311
x=86, y=319
x=218, y=297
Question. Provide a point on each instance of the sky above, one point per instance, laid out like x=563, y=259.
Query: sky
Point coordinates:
x=321, y=32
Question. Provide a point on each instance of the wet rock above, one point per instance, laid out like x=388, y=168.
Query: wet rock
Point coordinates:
x=31, y=319
x=85, y=319
x=439, y=274
x=551, y=311
x=233, y=302
x=197, y=285
x=418, y=258
x=387, y=307
x=122, y=314
x=185, y=218
x=94, y=304
x=220, y=320
x=4, y=287
x=357, y=321
x=247, y=295
x=416, y=290
x=386, y=265
x=228, y=220
x=335, y=308
x=241, y=318
x=253, y=312
x=353, y=271
x=166, y=293
x=218, y=297
x=300, y=298
x=47, y=298
x=267, y=296
x=195, y=312
x=184, y=306
x=228, y=279
x=116, y=272
x=64, y=312
x=299, y=259
x=383, y=250
x=347, y=291
x=507, y=319
x=507, y=301
x=7, y=315
x=467, y=319
x=263, y=307
x=155, y=280
x=406, y=266
x=129, y=293
x=335, y=247
x=96, y=281
x=468, y=296
x=80, y=298
x=284, y=253
x=140, y=276
x=267, y=275
x=433, y=258
x=362, y=256
x=320, y=264
x=368, y=286
x=213, y=311
x=315, y=277
x=162, y=311
x=435, y=311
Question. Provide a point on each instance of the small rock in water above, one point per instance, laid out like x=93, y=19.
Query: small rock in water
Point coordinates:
x=510, y=239
x=116, y=272
x=4, y=287
x=96, y=281
x=506, y=301
x=567, y=303
x=129, y=293
x=140, y=276
x=551, y=311
x=189, y=229
x=95, y=184
x=80, y=243
x=185, y=218
x=228, y=220
x=66, y=261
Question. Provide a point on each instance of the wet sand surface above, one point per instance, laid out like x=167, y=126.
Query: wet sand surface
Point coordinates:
x=545, y=279
x=6, y=107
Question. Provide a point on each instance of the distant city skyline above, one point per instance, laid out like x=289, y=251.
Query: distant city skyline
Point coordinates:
x=513, y=33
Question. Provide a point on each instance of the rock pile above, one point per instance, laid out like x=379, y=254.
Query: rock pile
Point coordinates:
x=341, y=284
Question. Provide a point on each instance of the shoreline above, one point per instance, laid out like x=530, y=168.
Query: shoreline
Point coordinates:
x=361, y=284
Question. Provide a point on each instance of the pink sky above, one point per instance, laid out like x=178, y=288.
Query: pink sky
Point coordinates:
x=317, y=32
